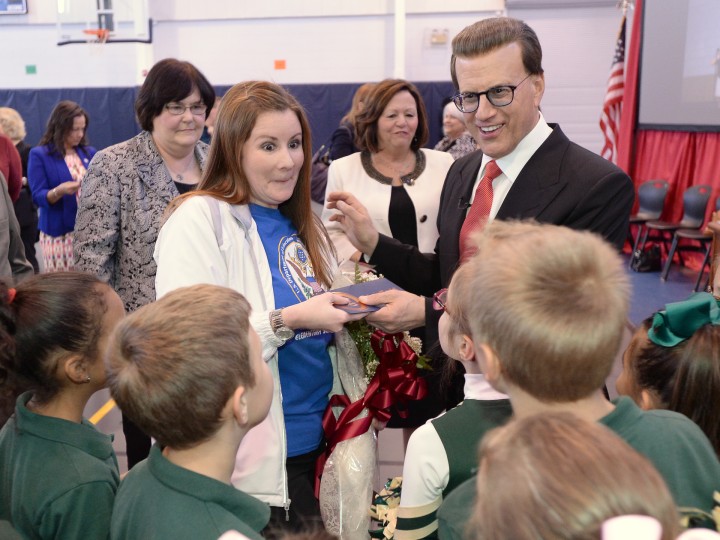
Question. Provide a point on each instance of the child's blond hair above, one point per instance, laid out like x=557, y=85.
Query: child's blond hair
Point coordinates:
x=550, y=301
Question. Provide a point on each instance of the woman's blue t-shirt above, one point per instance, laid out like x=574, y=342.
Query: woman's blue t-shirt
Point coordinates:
x=304, y=363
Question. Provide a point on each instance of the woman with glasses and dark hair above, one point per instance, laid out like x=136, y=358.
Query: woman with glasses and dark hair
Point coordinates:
x=129, y=185
x=55, y=169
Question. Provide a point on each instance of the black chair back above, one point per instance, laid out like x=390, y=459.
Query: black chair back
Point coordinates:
x=651, y=198
x=695, y=201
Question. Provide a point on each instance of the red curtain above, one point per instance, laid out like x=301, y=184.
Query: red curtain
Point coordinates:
x=682, y=158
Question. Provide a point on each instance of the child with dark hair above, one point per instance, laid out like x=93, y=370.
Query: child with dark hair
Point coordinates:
x=58, y=474
x=188, y=370
x=673, y=363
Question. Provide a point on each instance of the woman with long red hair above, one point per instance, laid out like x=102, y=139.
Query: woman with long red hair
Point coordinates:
x=250, y=227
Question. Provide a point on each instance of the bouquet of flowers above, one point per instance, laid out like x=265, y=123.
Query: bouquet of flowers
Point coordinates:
x=384, y=509
x=377, y=371
x=693, y=518
x=362, y=333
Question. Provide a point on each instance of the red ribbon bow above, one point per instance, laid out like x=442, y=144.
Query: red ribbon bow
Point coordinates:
x=396, y=381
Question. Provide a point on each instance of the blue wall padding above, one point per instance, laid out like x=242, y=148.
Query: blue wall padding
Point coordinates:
x=112, y=112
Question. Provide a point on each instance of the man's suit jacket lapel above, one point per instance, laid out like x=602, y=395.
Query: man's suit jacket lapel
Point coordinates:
x=539, y=182
x=457, y=195
x=533, y=191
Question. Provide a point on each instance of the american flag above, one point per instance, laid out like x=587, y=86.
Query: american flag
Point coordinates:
x=612, y=107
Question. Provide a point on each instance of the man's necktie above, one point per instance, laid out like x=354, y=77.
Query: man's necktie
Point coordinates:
x=479, y=212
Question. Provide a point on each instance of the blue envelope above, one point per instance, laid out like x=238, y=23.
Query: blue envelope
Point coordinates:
x=352, y=292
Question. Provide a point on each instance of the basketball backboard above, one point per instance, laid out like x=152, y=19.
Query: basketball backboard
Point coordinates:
x=106, y=21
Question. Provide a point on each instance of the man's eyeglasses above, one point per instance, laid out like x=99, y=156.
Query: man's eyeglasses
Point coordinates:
x=440, y=300
x=498, y=96
x=177, y=109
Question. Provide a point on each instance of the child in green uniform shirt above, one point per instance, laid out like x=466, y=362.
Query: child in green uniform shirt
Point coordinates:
x=188, y=370
x=555, y=476
x=441, y=453
x=673, y=363
x=58, y=475
x=546, y=308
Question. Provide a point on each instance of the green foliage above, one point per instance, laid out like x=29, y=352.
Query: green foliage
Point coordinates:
x=360, y=331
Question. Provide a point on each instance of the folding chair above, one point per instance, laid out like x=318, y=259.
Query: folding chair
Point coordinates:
x=651, y=199
x=695, y=200
x=702, y=236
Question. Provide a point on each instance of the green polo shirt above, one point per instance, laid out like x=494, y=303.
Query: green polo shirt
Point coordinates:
x=57, y=478
x=673, y=443
x=677, y=447
x=158, y=499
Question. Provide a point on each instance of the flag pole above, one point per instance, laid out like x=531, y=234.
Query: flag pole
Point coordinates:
x=625, y=5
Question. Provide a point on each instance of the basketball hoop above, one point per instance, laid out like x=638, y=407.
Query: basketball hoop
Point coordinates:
x=96, y=38
x=101, y=34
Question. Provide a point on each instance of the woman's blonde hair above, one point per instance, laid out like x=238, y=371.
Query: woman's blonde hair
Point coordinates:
x=12, y=124
x=451, y=109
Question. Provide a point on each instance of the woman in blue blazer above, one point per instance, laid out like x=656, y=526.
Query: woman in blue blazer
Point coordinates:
x=55, y=170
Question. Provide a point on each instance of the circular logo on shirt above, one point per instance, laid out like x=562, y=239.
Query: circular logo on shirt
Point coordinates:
x=297, y=269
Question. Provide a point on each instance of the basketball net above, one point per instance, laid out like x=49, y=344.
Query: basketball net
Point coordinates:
x=96, y=37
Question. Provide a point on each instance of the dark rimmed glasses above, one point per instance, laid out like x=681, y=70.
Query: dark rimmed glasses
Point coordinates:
x=498, y=96
x=440, y=300
x=176, y=109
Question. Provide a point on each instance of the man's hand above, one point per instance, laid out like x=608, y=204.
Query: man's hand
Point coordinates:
x=404, y=310
x=354, y=220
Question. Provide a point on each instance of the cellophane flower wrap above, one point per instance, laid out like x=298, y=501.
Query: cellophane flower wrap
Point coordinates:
x=371, y=386
x=351, y=468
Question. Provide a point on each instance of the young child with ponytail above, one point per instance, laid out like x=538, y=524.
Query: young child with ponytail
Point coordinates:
x=673, y=363
x=58, y=474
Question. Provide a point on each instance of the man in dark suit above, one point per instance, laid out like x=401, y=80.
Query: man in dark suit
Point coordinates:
x=496, y=66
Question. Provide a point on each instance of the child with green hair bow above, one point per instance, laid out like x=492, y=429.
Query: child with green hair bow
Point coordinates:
x=673, y=362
